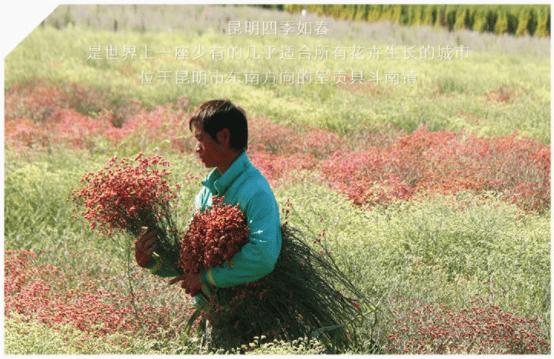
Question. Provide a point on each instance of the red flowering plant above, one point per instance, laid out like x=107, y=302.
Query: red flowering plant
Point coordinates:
x=213, y=237
x=133, y=196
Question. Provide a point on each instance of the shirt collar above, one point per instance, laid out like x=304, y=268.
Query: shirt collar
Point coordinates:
x=220, y=183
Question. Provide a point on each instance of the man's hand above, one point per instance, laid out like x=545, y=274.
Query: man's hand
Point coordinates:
x=190, y=283
x=145, y=245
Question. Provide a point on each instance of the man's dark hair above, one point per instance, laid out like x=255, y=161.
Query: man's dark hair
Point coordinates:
x=215, y=115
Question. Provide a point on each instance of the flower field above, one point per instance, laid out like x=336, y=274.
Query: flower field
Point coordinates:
x=433, y=198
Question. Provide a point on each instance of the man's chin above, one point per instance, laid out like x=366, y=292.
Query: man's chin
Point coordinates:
x=206, y=163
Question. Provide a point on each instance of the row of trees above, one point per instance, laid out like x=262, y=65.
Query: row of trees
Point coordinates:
x=517, y=20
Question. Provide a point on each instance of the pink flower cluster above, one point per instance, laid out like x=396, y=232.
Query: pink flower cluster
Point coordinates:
x=97, y=305
x=478, y=328
x=426, y=163
x=369, y=168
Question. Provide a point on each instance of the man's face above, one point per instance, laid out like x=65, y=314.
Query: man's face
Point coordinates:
x=210, y=152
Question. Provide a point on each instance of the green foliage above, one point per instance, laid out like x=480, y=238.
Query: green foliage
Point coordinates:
x=499, y=19
x=454, y=242
x=361, y=12
x=523, y=22
x=462, y=19
x=34, y=338
x=301, y=346
x=480, y=20
x=494, y=18
x=374, y=12
x=35, y=203
x=501, y=25
x=543, y=21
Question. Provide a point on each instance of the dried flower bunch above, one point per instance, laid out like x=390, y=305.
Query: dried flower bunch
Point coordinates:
x=297, y=299
x=213, y=237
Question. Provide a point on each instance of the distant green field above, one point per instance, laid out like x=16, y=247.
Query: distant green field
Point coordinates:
x=318, y=80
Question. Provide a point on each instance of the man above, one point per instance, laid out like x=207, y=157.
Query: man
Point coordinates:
x=221, y=132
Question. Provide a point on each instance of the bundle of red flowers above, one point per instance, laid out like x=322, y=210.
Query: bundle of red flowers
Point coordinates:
x=213, y=237
x=297, y=299
x=133, y=196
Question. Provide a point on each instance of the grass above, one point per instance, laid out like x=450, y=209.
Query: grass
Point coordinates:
x=451, y=241
x=442, y=250
x=429, y=253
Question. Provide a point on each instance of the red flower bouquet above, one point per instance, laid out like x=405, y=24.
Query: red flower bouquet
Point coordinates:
x=297, y=299
x=213, y=237
x=133, y=196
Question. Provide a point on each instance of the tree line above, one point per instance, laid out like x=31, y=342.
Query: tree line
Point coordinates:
x=518, y=20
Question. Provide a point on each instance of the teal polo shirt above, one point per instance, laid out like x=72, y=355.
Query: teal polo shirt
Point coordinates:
x=243, y=184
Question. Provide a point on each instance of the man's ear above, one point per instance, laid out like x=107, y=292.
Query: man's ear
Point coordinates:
x=224, y=137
